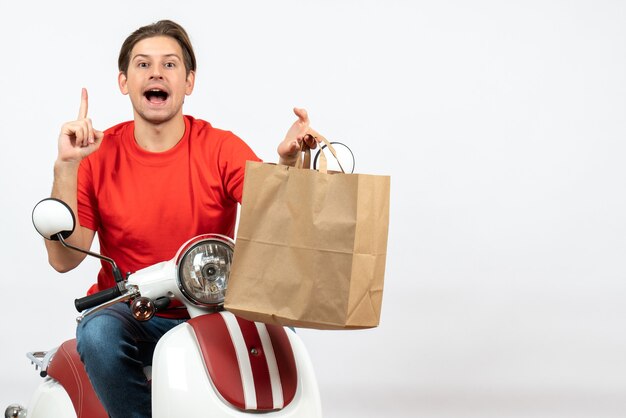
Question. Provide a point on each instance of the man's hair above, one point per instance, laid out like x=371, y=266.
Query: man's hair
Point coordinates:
x=160, y=28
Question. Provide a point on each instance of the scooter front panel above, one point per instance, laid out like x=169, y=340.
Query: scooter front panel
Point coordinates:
x=251, y=364
x=182, y=386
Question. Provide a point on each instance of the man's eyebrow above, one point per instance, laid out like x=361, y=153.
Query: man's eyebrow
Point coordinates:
x=149, y=56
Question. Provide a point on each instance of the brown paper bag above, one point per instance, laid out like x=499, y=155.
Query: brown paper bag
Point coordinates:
x=311, y=247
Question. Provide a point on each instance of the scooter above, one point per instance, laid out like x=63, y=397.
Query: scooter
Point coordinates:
x=214, y=365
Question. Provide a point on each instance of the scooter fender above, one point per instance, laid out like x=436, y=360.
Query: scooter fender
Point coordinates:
x=66, y=391
x=182, y=384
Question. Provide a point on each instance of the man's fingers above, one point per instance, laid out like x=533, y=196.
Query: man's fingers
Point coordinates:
x=289, y=148
x=301, y=114
x=82, y=132
x=313, y=133
x=90, y=130
x=311, y=138
x=82, y=111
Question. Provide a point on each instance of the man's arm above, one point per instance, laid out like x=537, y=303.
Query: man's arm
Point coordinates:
x=298, y=132
x=77, y=140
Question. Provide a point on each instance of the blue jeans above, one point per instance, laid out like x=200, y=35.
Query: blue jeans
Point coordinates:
x=115, y=348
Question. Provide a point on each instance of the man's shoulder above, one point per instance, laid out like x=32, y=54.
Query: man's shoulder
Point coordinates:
x=111, y=143
x=201, y=129
x=119, y=129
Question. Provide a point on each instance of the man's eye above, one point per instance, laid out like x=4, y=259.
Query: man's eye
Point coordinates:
x=170, y=65
x=142, y=65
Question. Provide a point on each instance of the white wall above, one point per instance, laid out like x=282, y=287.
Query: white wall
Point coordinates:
x=502, y=126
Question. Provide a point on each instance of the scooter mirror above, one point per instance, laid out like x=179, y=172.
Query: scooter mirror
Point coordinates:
x=52, y=217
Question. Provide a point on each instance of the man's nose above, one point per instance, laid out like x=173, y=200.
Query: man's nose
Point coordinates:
x=156, y=72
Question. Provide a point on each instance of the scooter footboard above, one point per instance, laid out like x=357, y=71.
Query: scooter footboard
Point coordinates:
x=221, y=365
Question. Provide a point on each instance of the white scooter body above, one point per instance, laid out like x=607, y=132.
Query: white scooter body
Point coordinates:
x=182, y=367
x=50, y=400
x=181, y=384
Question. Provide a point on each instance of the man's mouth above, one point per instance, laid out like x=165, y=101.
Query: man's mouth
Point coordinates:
x=156, y=95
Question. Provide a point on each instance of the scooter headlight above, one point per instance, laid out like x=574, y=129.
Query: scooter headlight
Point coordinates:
x=203, y=266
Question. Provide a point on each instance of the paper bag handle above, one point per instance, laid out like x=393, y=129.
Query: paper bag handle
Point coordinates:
x=306, y=162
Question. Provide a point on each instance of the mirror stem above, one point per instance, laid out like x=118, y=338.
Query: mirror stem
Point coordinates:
x=116, y=271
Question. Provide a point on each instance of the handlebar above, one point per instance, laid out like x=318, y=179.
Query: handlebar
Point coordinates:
x=97, y=298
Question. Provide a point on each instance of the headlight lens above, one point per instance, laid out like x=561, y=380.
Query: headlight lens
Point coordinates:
x=203, y=266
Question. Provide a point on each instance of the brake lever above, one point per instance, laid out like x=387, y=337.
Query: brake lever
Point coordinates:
x=131, y=292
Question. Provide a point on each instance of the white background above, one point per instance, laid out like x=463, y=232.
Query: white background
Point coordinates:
x=501, y=123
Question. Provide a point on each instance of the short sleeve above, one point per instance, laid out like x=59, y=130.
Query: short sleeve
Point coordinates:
x=87, y=206
x=234, y=154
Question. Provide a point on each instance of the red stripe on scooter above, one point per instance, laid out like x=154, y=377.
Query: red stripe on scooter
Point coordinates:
x=219, y=357
x=285, y=360
x=258, y=362
x=221, y=360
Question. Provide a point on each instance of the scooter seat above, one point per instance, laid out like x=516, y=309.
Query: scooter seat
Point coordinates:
x=68, y=370
x=251, y=364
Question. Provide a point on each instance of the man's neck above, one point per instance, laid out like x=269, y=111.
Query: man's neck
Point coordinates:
x=159, y=137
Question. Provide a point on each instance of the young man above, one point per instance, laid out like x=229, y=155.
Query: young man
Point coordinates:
x=147, y=186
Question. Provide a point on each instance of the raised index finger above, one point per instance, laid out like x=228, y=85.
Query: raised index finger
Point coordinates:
x=82, y=111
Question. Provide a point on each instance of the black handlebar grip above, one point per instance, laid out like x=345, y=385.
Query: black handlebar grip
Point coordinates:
x=96, y=299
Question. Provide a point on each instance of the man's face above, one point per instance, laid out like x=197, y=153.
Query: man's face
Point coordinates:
x=156, y=80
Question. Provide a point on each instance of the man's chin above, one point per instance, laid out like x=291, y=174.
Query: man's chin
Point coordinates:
x=156, y=117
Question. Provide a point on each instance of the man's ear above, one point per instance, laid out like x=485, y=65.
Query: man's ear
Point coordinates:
x=121, y=81
x=191, y=79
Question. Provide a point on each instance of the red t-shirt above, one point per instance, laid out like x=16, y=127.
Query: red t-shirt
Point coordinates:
x=145, y=205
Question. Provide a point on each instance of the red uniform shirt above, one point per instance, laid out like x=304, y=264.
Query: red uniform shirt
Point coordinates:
x=145, y=205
